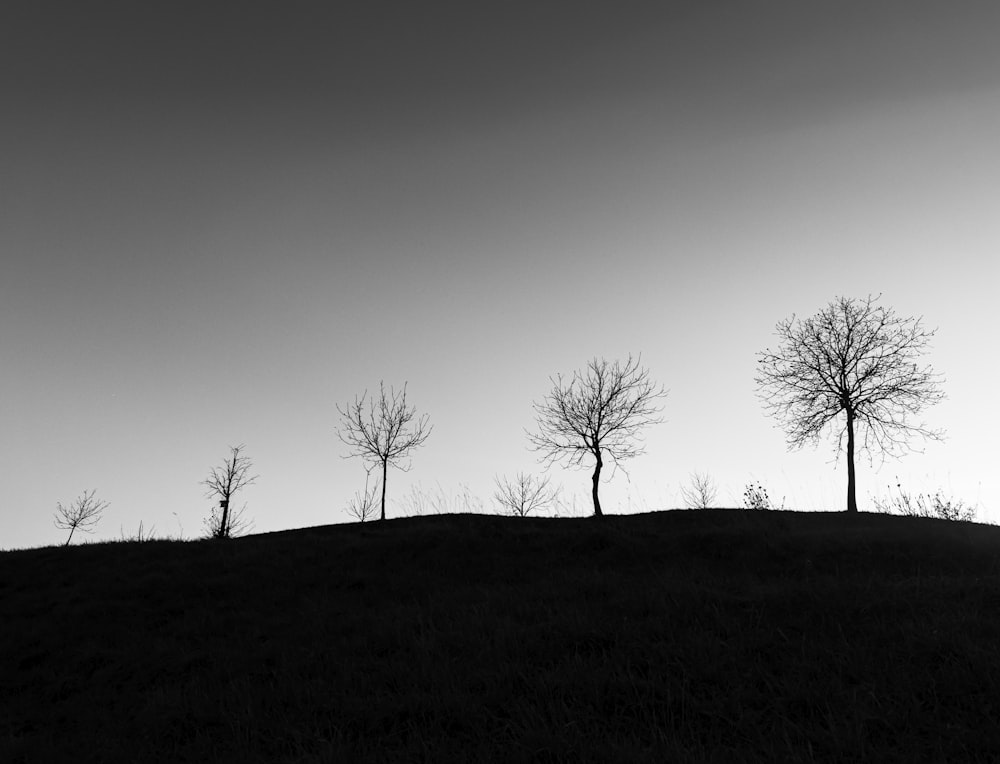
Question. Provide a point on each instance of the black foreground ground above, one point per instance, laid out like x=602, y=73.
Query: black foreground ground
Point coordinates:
x=701, y=636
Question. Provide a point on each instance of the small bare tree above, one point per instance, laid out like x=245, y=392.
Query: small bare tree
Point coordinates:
x=384, y=432
x=701, y=493
x=524, y=494
x=600, y=412
x=84, y=513
x=223, y=483
x=362, y=505
x=851, y=365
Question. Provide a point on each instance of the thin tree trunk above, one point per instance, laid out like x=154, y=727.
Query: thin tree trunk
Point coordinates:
x=385, y=469
x=70, y=536
x=596, y=480
x=852, y=501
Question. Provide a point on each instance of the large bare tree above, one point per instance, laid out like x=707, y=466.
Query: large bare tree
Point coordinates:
x=852, y=366
x=383, y=432
x=84, y=514
x=223, y=483
x=599, y=412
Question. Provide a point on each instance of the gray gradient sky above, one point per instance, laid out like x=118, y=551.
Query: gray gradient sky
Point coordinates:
x=218, y=221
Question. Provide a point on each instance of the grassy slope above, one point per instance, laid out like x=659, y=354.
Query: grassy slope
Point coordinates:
x=717, y=635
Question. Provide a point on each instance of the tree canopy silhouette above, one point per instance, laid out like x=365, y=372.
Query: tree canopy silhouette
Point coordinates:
x=83, y=514
x=523, y=494
x=851, y=366
x=222, y=483
x=701, y=493
x=599, y=412
x=384, y=432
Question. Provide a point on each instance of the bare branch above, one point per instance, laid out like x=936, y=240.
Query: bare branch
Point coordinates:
x=84, y=514
x=363, y=504
x=701, y=493
x=226, y=522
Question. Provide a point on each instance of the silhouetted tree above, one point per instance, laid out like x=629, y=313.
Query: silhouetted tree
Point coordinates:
x=852, y=364
x=223, y=483
x=599, y=412
x=384, y=432
x=701, y=493
x=84, y=513
x=524, y=494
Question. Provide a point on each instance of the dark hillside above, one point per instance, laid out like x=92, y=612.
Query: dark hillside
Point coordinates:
x=718, y=635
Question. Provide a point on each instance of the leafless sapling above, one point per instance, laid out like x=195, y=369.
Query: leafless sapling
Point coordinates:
x=701, y=493
x=83, y=514
x=362, y=505
x=600, y=412
x=223, y=483
x=851, y=366
x=384, y=432
x=523, y=495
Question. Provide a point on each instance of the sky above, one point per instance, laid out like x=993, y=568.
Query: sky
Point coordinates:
x=219, y=221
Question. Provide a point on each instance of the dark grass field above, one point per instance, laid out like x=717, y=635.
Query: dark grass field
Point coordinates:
x=715, y=636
